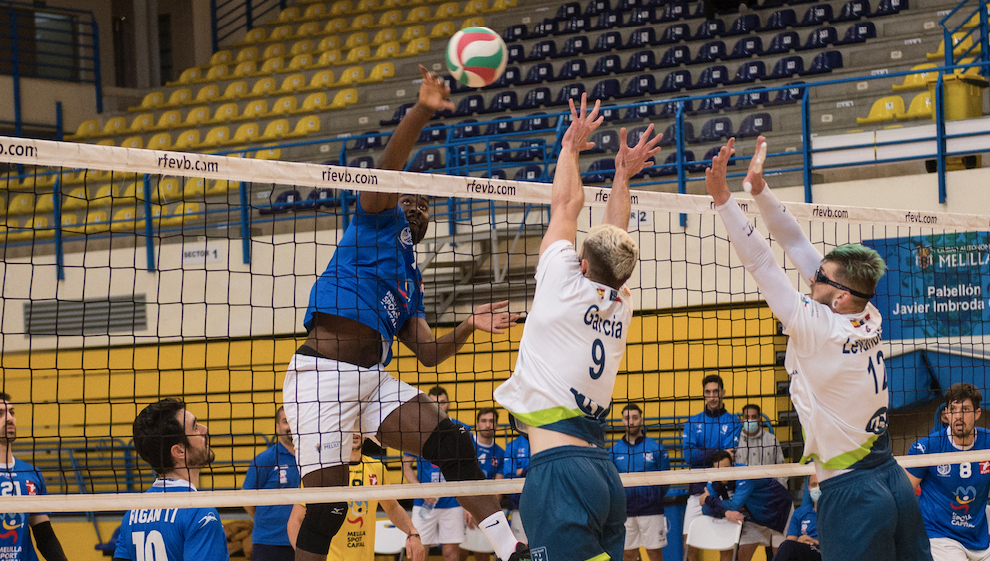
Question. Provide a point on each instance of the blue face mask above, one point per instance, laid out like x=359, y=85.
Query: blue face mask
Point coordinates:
x=750, y=426
x=816, y=493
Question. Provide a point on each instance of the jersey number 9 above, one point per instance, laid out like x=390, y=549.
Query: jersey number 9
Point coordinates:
x=598, y=357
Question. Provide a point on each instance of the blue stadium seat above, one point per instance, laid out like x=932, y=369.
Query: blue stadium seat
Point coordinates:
x=595, y=7
x=675, y=81
x=711, y=77
x=454, y=85
x=528, y=173
x=530, y=150
x=514, y=33
x=574, y=46
x=674, y=33
x=750, y=71
x=470, y=129
x=320, y=198
x=707, y=160
x=371, y=142
x=858, y=33
x=468, y=155
x=819, y=39
x=426, y=159
x=499, y=151
x=433, y=132
x=668, y=110
x=715, y=129
x=670, y=134
x=819, y=14
x=627, y=5
x=469, y=106
x=497, y=173
x=400, y=112
x=771, y=4
x=515, y=53
x=600, y=171
x=545, y=28
x=710, y=52
x=572, y=70
x=606, y=65
x=743, y=25
x=638, y=17
x=605, y=141
x=639, y=112
x=606, y=42
x=781, y=19
x=640, y=61
x=542, y=50
x=825, y=63
x=608, y=112
x=605, y=89
x=538, y=73
x=699, y=10
x=787, y=67
x=535, y=98
x=364, y=162
x=570, y=91
x=698, y=166
x=568, y=10
x=746, y=48
x=284, y=202
x=669, y=166
x=783, y=42
x=641, y=38
x=750, y=99
x=644, y=84
x=709, y=30
x=755, y=125
x=675, y=56
x=673, y=11
x=608, y=20
x=503, y=101
x=792, y=94
x=714, y=104
x=577, y=24
x=501, y=125
x=890, y=7
x=852, y=11
x=536, y=122
x=510, y=77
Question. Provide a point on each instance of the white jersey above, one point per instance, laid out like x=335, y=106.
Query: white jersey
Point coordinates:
x=838, y=386
x=573, y=342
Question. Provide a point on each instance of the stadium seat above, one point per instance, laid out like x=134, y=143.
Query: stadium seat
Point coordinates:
x=220, y=57
x=168, y=120
x=344, y=98
x=673, y=10
x=644, y=84
x=577, y=24
x=641, y=38
x=270, y=66
x=852, y=11
x=415, y=47
x=226, y=112
x=187, y=140
x=501, y=125
x=123, y=220
x=675, y=81
x=215, y=137
x=151, y=101
x=781, y=19
x=755, y=125
x=385, y=51
x=542, y=50
x=257, y=109
x=545, y=28
x=668, y=110
x=916, y=81
x=920, y=108
x=114, y=126
x=426, y=159
x=515, y=53
x=858, y=33
x=669, y=166
x=535, y=98
x=713, y=104
x=749, y=72
x=262, y=88
x=514, y=33
x=962, y=43
x=327, y=59
x=504, y=101
x=468, y=129
x=433, y=132
x=607, y=20
x=21, y=204
x=371, y=142
x=570, y=91
x=606, y=65
x=275, y=130
x=572, y=70
x=674, y=33
x=824, y=63
x=313, y=103
x=715, y=129
x=351, y=76
x=787, y=67
x=400, y=112
x=640, y=61
x=743, y=25
x=600, y=171
x=321, y=80
x=536, y=122
x=178, y=98
x=528, y=173
x=605, y=89
x=627, y=5
x=710, y=52
x=86, y=129
x=44, y=203
x=510, y=77
x=604, y=141
x=641, y=16
x=606, y=42
x=469, y=105
x=132, y=142
x=819, y=14
x=364, y=162
x=890, y=8
x=539, y=72
x=711, y=77
x=674, y=57
x=292, y=83
x=819, y=39
x=638, y=113
x=574, y=46
x=750, y=99
x=883, y=110
x=709, y=30
x=206, y=94
x=499, y=151
x=783, y=42
x=595, y=7
x=245, y=134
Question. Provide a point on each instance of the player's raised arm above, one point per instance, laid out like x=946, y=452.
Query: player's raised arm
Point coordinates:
x=628, y=162
x=434, y=95
x=567, y=197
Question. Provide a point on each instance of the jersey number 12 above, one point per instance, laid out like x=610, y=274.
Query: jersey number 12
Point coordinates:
x=150, y=549
x=873, y=370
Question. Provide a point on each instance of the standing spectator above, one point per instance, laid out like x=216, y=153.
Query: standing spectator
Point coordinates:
x=646, y=525
x=440, y=521
x=275, y=468
x=516, y=465
x=490, y=457
x=802, y=534
x=764, y=504
x=954, y=496
x=706, y=433
x=18, y=477
x=757, y=447
x=168, y=436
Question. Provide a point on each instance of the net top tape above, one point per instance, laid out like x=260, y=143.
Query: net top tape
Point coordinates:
x=73, y=155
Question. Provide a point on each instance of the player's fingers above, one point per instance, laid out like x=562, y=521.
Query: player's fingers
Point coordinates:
x=570, y=102
x=500, y=305
x=646, y=137
x=425, y=72
x=622, y=138
x=584, y=103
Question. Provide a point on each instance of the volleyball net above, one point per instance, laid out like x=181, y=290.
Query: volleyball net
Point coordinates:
x=133, y=275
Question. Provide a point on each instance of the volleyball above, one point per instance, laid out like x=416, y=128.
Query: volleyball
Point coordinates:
x=476, y=56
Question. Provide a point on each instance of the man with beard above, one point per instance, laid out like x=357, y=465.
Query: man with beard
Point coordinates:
x=169, y=437
x=337, y=384
x=21, y=478
x=275, y=468
x=954, y=497
x=868, y=510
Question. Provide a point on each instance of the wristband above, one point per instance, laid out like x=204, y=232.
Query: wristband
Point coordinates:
x=412, y=535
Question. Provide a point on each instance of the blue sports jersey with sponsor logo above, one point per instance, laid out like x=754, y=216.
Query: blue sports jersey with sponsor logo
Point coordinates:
x=489, y=458
x=516, y=464
x=372, y=277
x=274, y=468
x=645, y=454
x=707, y=433
x=804, y=522
x=19, y=478
x=176, y=534
x=954, y=496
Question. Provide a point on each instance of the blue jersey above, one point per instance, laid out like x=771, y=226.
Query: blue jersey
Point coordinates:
x=645, y=454
x=763, y=501
x=490, y=458
x=19, y=478
x=954, y=497
x=707, y=433
x=804, y=522
x=274, y=468
x=175, y=534
x=372, y=277
x=516, y=464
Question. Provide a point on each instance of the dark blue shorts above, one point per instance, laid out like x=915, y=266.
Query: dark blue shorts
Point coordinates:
x=871, y=515
x=573, y=506
x=265, y=552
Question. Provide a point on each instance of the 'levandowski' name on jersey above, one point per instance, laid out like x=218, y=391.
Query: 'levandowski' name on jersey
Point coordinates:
x=607, y=327
x=861, y=345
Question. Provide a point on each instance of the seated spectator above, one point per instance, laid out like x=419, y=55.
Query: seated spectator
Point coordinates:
x=802, y=535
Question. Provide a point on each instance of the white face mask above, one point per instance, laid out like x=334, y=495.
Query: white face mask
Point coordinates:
x=816, y=493
x=750, y=426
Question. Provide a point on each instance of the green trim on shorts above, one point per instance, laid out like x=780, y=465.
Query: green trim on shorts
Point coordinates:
x=843, y=461
x=600, y=557
x=547, y=416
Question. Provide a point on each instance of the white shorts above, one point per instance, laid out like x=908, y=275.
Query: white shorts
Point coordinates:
x=515, y=523
x=946, y=549
x=760, y=535
x=441, y=525
x=475, y=540
x=326, y=401
x=691, y=511
x=646, y=531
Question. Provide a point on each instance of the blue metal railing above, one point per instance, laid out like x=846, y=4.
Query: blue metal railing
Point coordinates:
x=228, y=17
x=953, y=34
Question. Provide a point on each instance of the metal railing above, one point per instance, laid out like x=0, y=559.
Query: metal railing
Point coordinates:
x=228, y=17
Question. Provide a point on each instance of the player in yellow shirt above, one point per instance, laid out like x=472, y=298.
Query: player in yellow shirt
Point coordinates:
x=356, y=539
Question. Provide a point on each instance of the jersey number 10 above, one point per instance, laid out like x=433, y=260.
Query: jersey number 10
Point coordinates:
x=150, y=549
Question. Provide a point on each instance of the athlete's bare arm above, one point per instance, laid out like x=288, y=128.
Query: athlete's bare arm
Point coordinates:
x=431, y=351
x=628, y=162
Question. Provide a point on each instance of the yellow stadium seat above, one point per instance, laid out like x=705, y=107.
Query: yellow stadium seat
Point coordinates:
x=255, y=110
x=356, y=55
x=341, y=8
x=288, y=15
x=417, y=15
x=305, y=126
x=386, y=51
x=972, y=70
x=33, y=228
x=382, y=71
x=21, y=204
x=920, y=108
x=97, y=222
x=270, y=66
x=292, y=83
x=70, y=225
x=961, y=43
x=473, y=22
x=197, y=116
x=86, y=129
x=308, y=29
x=412, y=33
x=215, y=137
x=263, y=87
x=314, y=12
x=447, y=10
x=335, y=26
x=102, y=197
x=313, y=103
x=275, y=130
x=351, y=76
x=281, y=33
x=132, y=192
x=301, y=47
x=142, y=123
x=390, y=4
x=74, y=178
x=206, y=94
x=410, y=3
x=328, y=43
x=356, y=40
x=368, y=6
x=416, y=47
x=389, y=18
x=116, y=125
x=193, y=187
x=474, y=8
x=253, y=36
x=220, y=57
x=443, y=30
x=216, y=73
x=884, y=109
x=246, y=133
x=383, y=36
x=220, y=187
x=273, y=50
x=153, y=100
x=161, y=141
x=168, y=120
x=44, y=203
x=74, y=199
x=235, y=90
x=178, y=98
x=123, y=220
x=168, y=190
x=268, y=154
x=107, y=142
x=247, y=54
x=187, y=140
x=245, y=69
x=133, y=142
x=299, y=62
x=503, y=5
x=224, y=113
x=188, y=76
x=283, y=106
x=321, y=80
x=343, y=98
x=327, y=59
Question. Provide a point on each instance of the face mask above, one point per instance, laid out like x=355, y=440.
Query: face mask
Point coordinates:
x=750, y=426
x=816, y=493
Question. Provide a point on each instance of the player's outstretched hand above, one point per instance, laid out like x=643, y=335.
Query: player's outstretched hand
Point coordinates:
x=582, y=125
x=630, y=161
x=715, y=182
x=487, y=317
x=754, y=182
x=434, y=93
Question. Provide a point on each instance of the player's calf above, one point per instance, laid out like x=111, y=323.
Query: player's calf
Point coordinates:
x=451, y=448
x=319, y=526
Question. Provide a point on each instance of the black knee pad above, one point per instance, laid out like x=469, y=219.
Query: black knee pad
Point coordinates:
x=319, y=526
x=451, y=448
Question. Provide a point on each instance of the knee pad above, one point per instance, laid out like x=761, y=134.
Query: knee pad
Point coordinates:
x=451, y=448
x=319, y=526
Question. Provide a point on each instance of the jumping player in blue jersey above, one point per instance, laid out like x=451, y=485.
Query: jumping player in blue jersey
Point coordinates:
x=336, y=384
x=954, y=496
x=868, y=510
x=177, y=446
x=21, y=478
